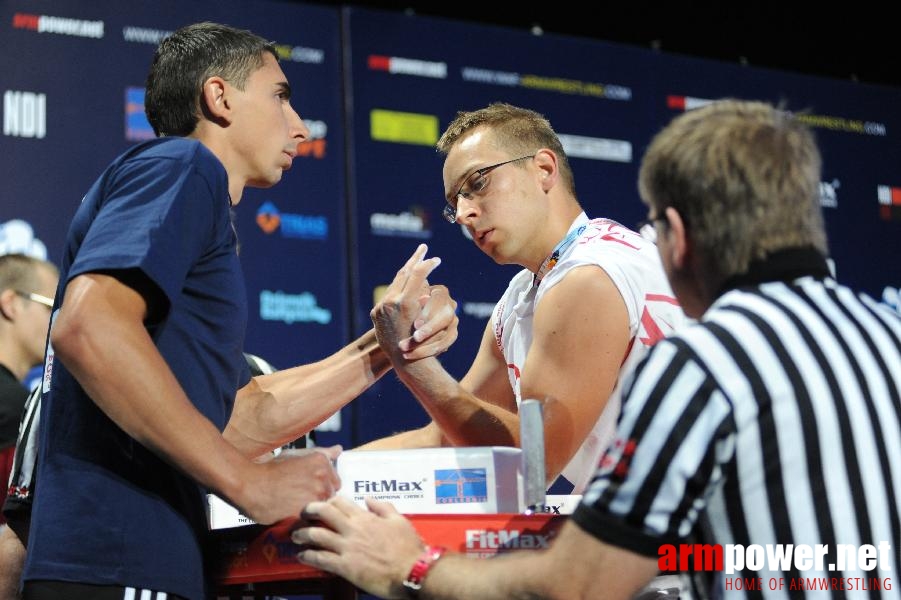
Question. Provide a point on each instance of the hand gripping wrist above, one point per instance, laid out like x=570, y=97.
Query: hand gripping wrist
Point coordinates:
x=413, y=582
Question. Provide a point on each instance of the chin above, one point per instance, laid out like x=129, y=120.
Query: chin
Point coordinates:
x=265, y=183
x=497, y=257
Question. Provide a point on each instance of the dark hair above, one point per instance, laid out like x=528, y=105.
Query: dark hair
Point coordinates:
x=185, y=60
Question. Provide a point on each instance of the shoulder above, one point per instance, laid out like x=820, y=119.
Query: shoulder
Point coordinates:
x=184, y=150
x=586, y=278
x=168, y=163
x=586, y=298
x=163, y=152
x=12, y=393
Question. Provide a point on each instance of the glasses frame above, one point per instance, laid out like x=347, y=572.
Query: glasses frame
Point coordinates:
x=647, y=229
x=450, y=210
x=39, y=298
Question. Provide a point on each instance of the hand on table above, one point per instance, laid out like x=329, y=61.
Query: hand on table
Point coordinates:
x=373, y=549
x=283, y=486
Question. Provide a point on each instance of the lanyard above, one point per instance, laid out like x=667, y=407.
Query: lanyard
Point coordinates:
x=554, y=256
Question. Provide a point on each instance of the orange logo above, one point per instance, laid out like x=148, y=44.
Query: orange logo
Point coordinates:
x=314, y=148
x=268, y=222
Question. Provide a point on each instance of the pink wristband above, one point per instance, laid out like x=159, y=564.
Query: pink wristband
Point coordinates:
x=421, y=567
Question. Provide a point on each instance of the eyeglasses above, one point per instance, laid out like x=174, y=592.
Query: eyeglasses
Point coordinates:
x=48, y=302
x=476, y=182
x=647, y=230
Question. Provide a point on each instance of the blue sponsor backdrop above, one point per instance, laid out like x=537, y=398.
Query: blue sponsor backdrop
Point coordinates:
x=376, y=89
x=606, y=101
x=72, y=76
x=415, y=69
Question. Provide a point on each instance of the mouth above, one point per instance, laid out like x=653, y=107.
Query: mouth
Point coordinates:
x=482, y=236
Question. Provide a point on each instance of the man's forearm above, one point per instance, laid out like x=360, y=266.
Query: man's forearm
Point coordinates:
x=464, y=419
x=277, y=408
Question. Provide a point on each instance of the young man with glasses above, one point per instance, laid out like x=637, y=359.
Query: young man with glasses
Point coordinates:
x=27, y=285
x=590, y=301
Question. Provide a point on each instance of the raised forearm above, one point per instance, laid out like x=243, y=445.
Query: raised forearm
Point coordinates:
x=464, y=419
x=280, y=407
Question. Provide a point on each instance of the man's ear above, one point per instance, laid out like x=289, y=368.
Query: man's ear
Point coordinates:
x=547, y=165
x=7, y=304
x=215, y=100
x=679, y=245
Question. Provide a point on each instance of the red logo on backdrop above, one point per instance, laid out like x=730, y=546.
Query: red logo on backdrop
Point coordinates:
x=26, y=21
x=889, y=202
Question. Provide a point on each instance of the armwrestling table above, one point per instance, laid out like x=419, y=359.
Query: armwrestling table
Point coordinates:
x=257, y=561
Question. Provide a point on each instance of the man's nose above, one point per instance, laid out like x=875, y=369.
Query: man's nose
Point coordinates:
x=466, y=208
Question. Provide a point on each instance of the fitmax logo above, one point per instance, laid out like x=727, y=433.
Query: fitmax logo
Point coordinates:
x=504, y=538
x=386, y=485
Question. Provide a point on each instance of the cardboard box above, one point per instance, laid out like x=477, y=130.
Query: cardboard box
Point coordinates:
x=477, y=480
x=561, y=504
x=221, y=514
x=385, y=475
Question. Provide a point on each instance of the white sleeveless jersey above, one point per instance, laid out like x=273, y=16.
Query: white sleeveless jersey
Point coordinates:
x=634, y=266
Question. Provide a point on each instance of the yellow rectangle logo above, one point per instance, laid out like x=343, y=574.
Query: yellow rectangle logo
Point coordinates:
x=403, y=127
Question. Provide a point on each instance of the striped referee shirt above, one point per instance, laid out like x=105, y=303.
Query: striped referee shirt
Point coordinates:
x=773, y=421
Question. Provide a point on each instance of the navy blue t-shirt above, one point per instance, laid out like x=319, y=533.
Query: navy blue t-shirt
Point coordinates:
x=109, y=511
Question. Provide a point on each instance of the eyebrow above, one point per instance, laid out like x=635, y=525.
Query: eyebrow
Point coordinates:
x=460, y=183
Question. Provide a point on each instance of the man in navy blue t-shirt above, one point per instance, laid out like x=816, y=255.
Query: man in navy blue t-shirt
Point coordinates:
x=147, y=399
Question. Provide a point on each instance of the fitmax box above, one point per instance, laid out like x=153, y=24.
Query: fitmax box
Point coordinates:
x=475, y=480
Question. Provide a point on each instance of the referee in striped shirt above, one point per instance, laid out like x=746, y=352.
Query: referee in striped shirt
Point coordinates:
x=776, y=419
x=763, y=440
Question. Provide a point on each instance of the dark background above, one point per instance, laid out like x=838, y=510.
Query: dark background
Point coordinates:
x=852, y=41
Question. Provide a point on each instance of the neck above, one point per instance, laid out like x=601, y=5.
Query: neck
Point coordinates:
x=553, y=230
x=15, y=362
x=206, y=134
x=559, y=249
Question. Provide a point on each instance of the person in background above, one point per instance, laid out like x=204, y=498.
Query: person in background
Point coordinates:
x=590, y=301
x=773, y=420
x=27, y=285
x=148, y=402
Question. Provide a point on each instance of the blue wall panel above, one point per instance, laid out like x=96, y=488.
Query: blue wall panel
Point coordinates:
x=377, y=88
x=78, y=71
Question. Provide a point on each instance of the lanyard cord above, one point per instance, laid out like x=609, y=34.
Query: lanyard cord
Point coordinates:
x=554, y=256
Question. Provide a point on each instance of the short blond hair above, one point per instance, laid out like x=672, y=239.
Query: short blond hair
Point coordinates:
x=517, y=131
x=19, y=272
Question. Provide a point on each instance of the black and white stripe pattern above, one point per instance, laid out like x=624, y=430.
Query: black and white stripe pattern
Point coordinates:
x=776, y=420
x=21, y=478
x=143, y=594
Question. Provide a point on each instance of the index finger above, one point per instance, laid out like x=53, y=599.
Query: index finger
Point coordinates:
x=417, y=278
x=404, y=273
